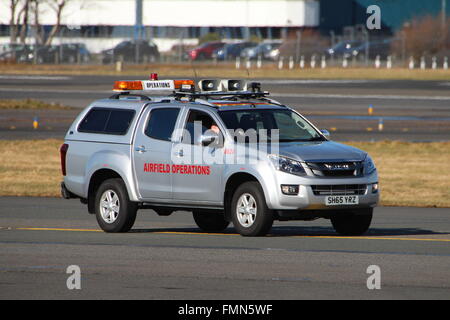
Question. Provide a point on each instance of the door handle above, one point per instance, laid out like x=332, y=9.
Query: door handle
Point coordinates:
x=140, y=149
x=179, y=153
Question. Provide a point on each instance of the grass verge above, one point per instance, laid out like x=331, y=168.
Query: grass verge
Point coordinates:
x=30, y=104
x=411, y=174
x=204, y=70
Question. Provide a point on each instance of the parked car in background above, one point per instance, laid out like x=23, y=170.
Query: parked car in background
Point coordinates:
x=205, y=51
x=73, y=53
x=179, y=52
x=263, y=49
x=344, y=49
x=11, y=52
x=132, y=51
x=380, y=48
x=64, y=53
x=8, y=47
x=232, y=50
x=29, y=53
x=307, y=47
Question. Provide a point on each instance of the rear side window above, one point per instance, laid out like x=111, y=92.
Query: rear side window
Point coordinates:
x=107, y=121
x=162, y=123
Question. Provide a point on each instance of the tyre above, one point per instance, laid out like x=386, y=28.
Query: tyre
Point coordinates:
x=352, y=224
x=114, y=211
x=249, y=211
x=201, y=56
x=210, y=221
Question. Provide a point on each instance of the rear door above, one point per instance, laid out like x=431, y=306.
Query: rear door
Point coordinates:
x=152, y=152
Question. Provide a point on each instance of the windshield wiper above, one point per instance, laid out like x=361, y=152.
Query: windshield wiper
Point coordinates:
x=316, y=139
x=302, y=140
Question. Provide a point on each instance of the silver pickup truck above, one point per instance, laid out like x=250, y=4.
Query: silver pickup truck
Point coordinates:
x=220, y=149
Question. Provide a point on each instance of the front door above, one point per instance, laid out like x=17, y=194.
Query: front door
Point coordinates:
x=197, y=179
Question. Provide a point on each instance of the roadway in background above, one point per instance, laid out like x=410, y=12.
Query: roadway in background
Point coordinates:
x=336, y=105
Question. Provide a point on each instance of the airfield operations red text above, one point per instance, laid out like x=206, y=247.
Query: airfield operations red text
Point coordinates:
x=177, y=168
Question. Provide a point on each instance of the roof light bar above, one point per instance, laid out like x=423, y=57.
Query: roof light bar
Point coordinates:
x=151, y=85
x=127, y=85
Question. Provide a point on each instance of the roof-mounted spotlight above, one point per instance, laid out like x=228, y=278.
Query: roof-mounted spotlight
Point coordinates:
x=209, y=85
x=233, y=85
x=254, y=87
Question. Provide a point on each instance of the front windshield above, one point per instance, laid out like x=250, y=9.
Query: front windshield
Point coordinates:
x=291, y=126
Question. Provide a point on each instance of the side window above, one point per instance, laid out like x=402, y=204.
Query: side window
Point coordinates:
x=94, y=121
x=204, y=122
x=107, y=121
x=162, y=123
x=119, y=121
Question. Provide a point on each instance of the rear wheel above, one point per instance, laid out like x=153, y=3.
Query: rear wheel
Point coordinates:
x=114, y=211
x=201, y=56
x=352, y=223
x=210, y=221
x=249, y=211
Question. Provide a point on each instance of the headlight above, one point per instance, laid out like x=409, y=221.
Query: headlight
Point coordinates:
x=287, y=165
x=274, y=53
x=369, y=166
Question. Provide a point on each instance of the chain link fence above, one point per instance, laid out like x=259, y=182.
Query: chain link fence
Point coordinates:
x=411, y=47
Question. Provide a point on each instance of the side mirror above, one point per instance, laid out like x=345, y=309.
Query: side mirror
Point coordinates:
x=326, y=133
x=208, y=138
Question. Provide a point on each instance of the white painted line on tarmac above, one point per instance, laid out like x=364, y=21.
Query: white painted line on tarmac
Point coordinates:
x=305, y=81
x=358, y=96
x=21, y=77
x=273, y=94
x=54, y=90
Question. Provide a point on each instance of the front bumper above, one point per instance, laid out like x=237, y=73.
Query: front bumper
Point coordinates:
x=306, y=199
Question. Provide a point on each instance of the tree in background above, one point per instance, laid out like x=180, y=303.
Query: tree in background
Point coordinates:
x=423, y=36
x=18, y=21
x=25, y=16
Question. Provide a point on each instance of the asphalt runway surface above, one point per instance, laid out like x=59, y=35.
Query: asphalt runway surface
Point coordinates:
x=411, y=110
x=169, y=258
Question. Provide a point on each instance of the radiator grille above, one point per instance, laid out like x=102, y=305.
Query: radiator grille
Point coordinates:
x=336, y=169
x=338, y=190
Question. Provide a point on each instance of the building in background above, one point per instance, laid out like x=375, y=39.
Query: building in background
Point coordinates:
x=336, y=15
x=104, y=23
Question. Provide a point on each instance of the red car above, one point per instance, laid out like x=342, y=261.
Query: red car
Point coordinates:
x=205, y=50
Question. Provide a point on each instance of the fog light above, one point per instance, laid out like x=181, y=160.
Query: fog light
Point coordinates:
x=374, y=187
x=289, y=189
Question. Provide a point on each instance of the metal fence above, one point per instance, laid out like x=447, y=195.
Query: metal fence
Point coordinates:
x=355, y=47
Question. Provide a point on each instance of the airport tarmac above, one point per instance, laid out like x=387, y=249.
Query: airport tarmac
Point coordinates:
x=169, y=258
x=409, y=110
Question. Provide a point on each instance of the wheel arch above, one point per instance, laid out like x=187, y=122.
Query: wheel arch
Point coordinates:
x=97, y=178
x=233, y=182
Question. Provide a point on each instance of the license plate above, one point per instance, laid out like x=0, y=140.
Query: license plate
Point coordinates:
x=341, y=200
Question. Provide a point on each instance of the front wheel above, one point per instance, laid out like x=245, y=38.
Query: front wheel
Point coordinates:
x=249, y=211
x=352, y=224
x=210, y=221
x=114, y=211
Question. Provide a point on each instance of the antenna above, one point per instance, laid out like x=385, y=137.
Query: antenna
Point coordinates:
x=195, y=71
x=247, y=68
